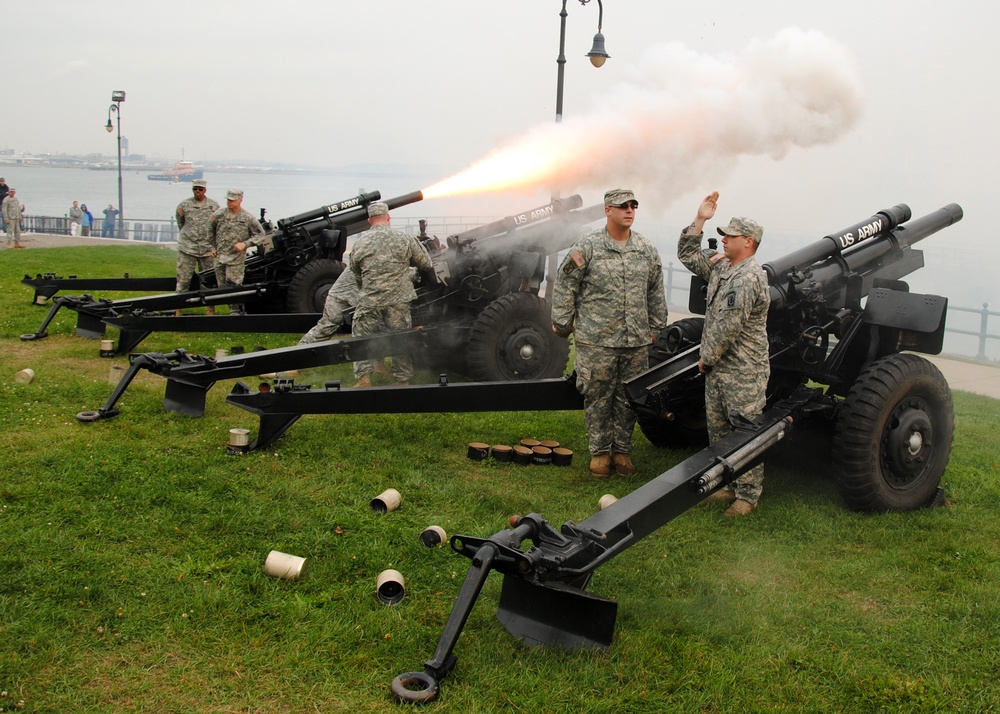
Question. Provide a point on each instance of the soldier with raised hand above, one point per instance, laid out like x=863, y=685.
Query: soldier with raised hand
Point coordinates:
x=232, y=231
x=194, y=245
x=381, y=260
x=609, y=292
x=734, y=347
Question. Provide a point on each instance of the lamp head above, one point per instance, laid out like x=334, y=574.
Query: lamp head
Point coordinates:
x=109, y=127
x=598, y=55
x=118, y=96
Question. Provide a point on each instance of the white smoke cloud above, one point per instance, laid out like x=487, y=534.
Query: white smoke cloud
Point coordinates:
x=683, y=118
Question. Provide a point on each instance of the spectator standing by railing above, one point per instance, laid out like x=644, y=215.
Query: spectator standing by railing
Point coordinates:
x=110, y=217
x=86, y=221
x=4, y=188
x=75, y=218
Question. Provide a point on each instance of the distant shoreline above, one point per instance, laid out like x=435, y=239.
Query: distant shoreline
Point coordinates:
x=158, y=167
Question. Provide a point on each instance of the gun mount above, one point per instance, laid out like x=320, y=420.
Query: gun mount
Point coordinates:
x=291, y=272
x=478, y=314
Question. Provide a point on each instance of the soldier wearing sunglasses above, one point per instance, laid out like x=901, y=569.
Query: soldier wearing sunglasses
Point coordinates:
x=609, y=294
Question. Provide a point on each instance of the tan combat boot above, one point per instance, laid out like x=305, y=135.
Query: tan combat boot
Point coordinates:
x=723, y=495
x=740, y=508
x=381, y=369
x=211, y=310
x=403, y=383
x=365, y=381
x=623, y=464
x=600, y=465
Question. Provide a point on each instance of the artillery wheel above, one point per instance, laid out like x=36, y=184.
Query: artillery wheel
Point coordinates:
x=308, y=288
x=690, y=427
x=893, y=435
x=512, y=338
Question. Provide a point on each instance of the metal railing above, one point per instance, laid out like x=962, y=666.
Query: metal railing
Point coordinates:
x=983, y=333
x=148, y=230
x=153, y=230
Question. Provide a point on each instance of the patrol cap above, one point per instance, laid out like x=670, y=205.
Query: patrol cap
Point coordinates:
x=199, y=182
x=618, y=196
x=234, y=194
x=378, y=208
x=740, y=226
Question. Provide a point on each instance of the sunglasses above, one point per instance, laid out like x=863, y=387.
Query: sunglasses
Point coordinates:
x=197, y=188
x=628, y=204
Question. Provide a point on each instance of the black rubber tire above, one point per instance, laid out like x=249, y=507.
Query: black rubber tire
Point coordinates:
x=308, y=288
x=512, y=338
x=690, y=427
x=892, y=440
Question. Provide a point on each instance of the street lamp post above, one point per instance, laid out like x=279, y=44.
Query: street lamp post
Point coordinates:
x=598, y=56
x=117, y=97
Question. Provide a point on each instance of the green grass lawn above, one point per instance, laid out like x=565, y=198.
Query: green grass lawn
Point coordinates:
x=131, y=566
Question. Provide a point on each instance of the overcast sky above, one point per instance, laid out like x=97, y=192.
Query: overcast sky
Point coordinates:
x=864, y=104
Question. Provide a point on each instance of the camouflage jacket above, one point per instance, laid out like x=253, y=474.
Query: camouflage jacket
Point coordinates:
x=227, y=229
x=381, y=258
x=611, y=294
x=11, y=209
x=735, y=335
x=193, y=219
x=346, y=288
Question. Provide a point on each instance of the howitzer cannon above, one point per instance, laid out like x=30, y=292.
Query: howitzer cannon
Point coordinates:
x=478, y=314
x=291, y=273
x=840, y=316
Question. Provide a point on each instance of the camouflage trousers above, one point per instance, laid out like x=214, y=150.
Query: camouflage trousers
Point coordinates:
x=329, y=324
x=371, y=320
x=600, y=373
x=13, y=232
x=228, y=275
x=187, y=264
x=726, y=393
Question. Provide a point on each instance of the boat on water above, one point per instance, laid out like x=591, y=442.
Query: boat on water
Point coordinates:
x=182, y=171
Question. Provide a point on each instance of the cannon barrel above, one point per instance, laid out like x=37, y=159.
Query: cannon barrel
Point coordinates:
x=355, y=220
x=552, y=236
x=362, y=200
x=878, y=224
x=875, y=251
x=505, y=225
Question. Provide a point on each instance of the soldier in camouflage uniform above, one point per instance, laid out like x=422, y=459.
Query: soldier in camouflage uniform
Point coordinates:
x=609, y=291
x=381, y=260
x=342, y=296
x=734, y=347
x=11, y=209
x=232, y=231
x=194, y=246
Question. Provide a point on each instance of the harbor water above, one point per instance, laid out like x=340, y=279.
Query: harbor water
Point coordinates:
x=49, y=191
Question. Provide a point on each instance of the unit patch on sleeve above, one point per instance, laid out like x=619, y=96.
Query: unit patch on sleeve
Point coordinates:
x=573, y=261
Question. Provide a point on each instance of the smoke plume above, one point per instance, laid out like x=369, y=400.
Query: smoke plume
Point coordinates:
x=684, y=118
